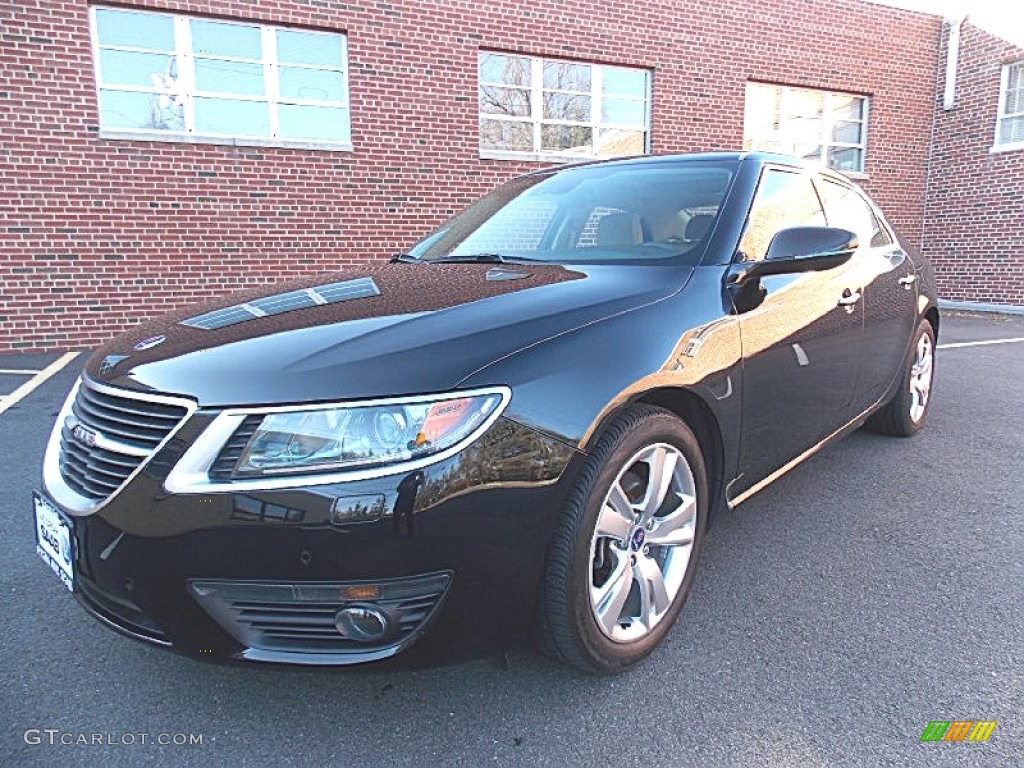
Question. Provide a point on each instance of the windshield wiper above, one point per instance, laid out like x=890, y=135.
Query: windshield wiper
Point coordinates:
x=405, y=258
x=481, y=258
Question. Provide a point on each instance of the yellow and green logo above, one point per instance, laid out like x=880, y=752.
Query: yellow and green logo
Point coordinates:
x=958, y=730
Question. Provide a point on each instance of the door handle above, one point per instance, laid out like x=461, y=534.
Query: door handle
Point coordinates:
x=849, y=298
x=908, y=281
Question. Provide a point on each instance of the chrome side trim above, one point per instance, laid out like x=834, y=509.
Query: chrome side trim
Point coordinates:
x=191, y=473
x=69, y=500
x=761, y=485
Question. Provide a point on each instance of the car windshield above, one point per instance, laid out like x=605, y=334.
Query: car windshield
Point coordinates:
x=646, y=212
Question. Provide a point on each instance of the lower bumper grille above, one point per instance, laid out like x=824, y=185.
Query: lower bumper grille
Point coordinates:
x=279, y=622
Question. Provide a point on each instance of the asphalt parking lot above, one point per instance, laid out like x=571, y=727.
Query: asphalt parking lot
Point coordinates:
x=872, y=590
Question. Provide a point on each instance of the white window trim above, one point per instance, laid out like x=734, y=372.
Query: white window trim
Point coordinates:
x=1004, y=84
x=536, y=117
x=827, y=123
x=186, y=78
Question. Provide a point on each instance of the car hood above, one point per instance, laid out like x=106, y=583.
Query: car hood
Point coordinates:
x=392, y=329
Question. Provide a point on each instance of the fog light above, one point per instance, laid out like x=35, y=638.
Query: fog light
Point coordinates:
x=362, y=623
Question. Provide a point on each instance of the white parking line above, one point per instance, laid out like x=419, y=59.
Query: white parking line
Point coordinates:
x=981, y=343
x=29, y=386
x=17, y=372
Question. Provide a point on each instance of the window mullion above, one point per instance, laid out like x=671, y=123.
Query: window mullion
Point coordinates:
x=596, y=82
x=186, y=83
x=536, y=103
x=271, y=79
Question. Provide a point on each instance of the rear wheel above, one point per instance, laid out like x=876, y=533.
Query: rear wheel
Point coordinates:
x=905, y=414
x=624, y=555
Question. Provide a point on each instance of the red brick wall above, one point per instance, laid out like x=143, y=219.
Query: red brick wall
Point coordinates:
x=100, y=234
x=974, y=219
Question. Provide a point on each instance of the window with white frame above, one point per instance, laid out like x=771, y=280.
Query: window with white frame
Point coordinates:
x=824, y=127
x=172, y=76
x=537, y=107
x=1010, y=123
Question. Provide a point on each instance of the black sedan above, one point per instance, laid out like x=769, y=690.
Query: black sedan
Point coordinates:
x=518, y=429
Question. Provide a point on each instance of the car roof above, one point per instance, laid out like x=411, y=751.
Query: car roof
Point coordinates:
x=760, y=158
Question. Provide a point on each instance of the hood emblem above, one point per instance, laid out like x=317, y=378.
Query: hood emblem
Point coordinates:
x=109, y=363
x=149, y=343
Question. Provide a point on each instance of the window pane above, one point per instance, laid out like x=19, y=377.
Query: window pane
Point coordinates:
x=566, y=106
x=572, y=139
x=215, y=38
x=495, y=100
x=317, y=84
x=803, y=103
x=848, y=133
x=618, y=141
x=217, y=76
x=1014, y=90
x=139, y=30
x=511, y=70
x=319, y=49
x=623, y=82
x=505, y=135
x=846, y=107
x=140, y=110
x=567, y=77
x=153, y=70
x=241, y=118
x=809, y=152
x=307, y=122
x=848, y=210
x=619, y=111
x=845, y=158
x=1011, y=130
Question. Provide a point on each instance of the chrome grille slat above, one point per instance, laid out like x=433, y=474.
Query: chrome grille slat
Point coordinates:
x=143, y=437
x=133, y=406
x=99, y=413
x=95, y=472
x=120, y=462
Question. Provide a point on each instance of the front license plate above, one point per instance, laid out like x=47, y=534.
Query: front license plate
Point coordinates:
x=53, y=540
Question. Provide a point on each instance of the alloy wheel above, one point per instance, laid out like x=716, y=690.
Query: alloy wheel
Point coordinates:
x=921, y=378
x=642, y=542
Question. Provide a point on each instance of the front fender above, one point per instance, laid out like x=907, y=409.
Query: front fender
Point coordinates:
x=569, y=386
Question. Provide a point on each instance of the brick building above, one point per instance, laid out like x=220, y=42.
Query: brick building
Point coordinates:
x=160, y=151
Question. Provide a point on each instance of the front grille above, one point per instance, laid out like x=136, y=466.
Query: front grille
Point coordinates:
x=106, y=436
x=300, y=618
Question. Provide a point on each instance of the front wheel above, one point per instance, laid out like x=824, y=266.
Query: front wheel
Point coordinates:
x=624, y=555
x=905, y=414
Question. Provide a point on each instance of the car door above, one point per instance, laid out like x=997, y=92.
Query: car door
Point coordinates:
x=801, y=338
x=886, y=277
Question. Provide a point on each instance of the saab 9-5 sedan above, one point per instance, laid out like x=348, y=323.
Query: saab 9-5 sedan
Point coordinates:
x=518, y=429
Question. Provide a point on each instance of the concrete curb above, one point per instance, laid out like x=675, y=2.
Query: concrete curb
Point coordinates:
x=980, y=306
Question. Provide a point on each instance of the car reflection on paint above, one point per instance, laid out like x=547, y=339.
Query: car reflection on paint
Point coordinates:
x=517, y=430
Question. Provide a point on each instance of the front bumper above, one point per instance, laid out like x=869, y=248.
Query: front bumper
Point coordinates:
x=451, y=554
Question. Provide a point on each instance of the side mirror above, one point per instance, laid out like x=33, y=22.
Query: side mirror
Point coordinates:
x=801, y=249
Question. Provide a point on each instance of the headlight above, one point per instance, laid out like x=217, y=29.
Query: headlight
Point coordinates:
x=334, y=439
x=283, y=447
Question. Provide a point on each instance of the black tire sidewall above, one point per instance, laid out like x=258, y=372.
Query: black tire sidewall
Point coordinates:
x=655, y=425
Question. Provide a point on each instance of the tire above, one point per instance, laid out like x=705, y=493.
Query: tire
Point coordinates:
x=907, y=411
x=602, y=608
